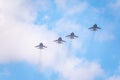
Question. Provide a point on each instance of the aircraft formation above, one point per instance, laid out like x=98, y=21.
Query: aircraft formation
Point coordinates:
x=70, y=36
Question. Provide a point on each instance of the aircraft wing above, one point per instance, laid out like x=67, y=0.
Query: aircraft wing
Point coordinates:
x=63, y=41
x=98, y=27
x=55, y=40
x=90, y=28
x=75, y=36
x=37, y=46
x=67, y=36
x=45, y=46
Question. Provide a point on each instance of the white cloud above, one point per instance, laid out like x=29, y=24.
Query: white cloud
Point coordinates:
x=65, y=25
x=17, y=10
x=18, y=37
x=69, y=10
x=79, y=69
x=42, y=5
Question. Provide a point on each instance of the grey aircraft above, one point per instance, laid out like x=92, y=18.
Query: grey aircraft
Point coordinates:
x=41, y=46
x=72, y=36
x=59, y=40
x=94, y=28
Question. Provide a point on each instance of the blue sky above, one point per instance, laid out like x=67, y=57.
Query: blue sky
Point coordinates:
x=92, y=56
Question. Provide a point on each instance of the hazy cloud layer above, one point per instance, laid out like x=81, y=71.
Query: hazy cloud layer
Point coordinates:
x=116, y=75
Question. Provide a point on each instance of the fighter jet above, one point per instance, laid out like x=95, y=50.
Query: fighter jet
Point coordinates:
x=41, y=46
x=72, y=36
x=95, y=27
x=59, y=40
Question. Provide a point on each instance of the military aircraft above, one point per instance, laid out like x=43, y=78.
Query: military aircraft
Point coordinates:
x=59, y=40
x=72, y=36
x=41, y=46
x=95, y=27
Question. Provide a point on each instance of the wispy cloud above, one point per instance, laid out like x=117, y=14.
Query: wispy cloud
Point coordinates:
x=76, y=7
x=116, y=75
x=41, y=5
x=79, y=8
x=61, y=4
x=114, y=7
x=104, y=36
x=114, y=78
